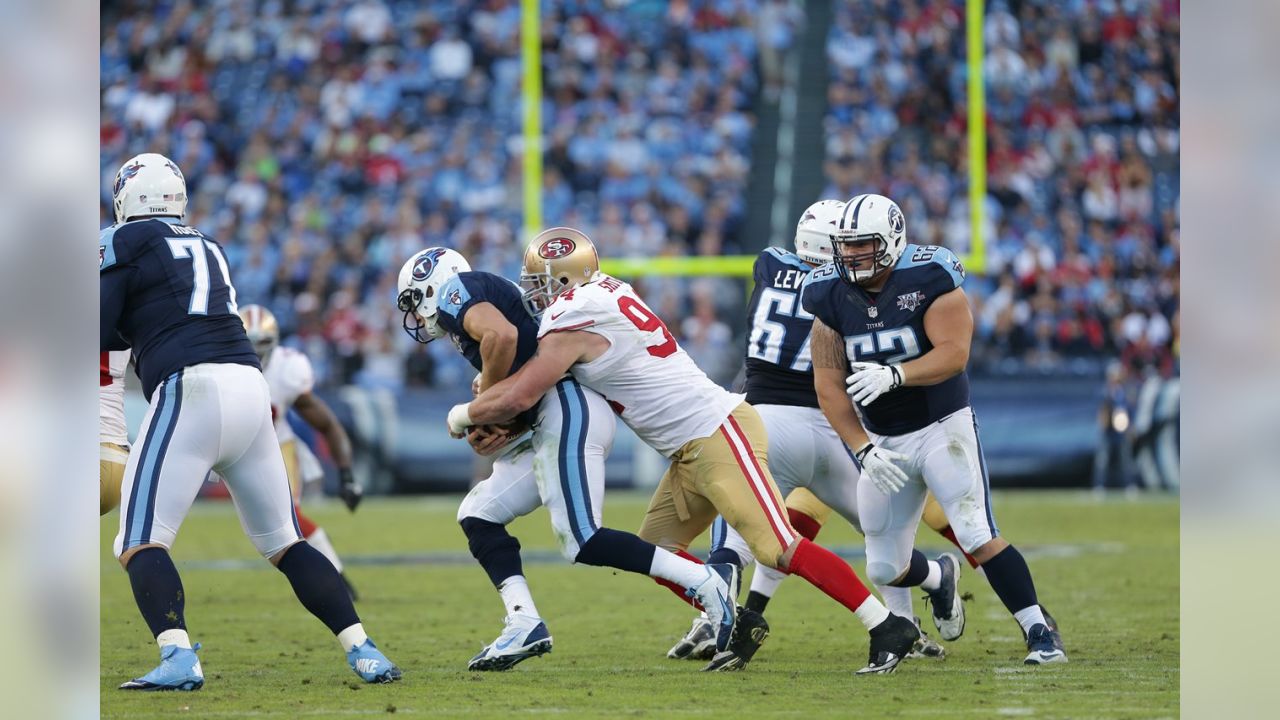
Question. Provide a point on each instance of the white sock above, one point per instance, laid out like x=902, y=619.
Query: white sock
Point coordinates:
x=898, y=600
x=516, y=596
x=353, y=636
x=174, y=637
x=673, y=568
x=871, y=612
x=1030, y=616
x=765, y=580
x=933, y=580
x=320, y=541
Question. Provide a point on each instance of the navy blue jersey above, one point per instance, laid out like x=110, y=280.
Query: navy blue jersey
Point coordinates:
x=779, y=367
x=888, y=328
x=464, y=291
x=165, y=293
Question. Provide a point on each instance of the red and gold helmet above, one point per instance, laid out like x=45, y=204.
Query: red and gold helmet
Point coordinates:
x=556, y=260
x=263, y=331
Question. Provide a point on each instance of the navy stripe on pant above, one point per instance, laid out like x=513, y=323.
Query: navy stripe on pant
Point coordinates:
x=572, y=463
x=986, y=481
x=142, y=501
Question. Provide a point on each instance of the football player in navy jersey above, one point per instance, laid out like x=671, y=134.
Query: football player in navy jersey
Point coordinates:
x=814, y=470
x=893, y=318
x=486, y=317
x=165, y=293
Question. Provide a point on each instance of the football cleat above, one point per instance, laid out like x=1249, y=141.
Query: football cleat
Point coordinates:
x=1045, y=646
x=749, y=632
x=948, y=608
x=698, y=644
x=715, y=596
x=926, y=647
x=524, y=637
x=179, y=669
x=371, y=665
x=891, y=640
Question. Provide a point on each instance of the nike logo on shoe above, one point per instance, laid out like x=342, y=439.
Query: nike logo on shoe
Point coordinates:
x=367, y=665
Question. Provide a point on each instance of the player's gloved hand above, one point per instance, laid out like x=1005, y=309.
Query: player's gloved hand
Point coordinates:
x=880, y=466
x=459, y=420
x=870, y=380
x=348, y=489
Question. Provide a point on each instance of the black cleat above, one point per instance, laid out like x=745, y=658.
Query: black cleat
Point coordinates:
x=749, y=633
x=891, y=641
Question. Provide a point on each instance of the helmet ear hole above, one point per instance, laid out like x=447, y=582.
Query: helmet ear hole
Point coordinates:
x=430, y=291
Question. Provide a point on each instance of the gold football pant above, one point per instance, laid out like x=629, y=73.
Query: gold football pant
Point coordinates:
x=111, y=461
x=726, y=473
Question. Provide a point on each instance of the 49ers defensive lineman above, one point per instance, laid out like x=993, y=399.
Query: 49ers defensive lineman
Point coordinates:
x=290, y=379
x=598, y=329
x=113, y=434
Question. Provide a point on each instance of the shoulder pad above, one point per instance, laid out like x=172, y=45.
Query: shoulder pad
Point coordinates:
x=785, y=257
x=925, y=255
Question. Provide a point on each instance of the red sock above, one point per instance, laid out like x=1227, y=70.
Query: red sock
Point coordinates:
x=305, y=525
x=828, y=573
x=950, y=534
x=679, y=591
x=803, y=524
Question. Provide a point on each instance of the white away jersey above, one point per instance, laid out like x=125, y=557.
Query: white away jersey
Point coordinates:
x=111, y=424
x=289, y=376
x=652, y=383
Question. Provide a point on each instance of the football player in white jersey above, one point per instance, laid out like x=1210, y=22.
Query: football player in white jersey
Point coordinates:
x=290, y=380
x=595, y=327
x=113, y=435
x=561, y=466
x=893, y=324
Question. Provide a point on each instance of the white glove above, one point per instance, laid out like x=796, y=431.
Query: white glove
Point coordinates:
x=459, y=420
x=870, y=380
x=879, y=466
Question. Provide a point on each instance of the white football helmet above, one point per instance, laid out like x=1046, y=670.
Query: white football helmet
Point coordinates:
x=873, y=218
x=263, y=331
x=814, y=231
x=149, y=184
x=418, y=290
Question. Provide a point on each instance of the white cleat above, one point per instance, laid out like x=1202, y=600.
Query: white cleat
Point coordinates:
x=698, y=644
x=524, y=637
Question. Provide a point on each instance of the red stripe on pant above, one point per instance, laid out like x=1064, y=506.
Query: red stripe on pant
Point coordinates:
x=763, y=497
x=679, y=591
x=950, y=534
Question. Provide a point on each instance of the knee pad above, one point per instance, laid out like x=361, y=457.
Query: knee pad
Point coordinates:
x=882, y=573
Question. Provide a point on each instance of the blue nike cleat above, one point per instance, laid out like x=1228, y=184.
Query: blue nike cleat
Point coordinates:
x=524, y=637
x=179, y=669
x=948, y=607
x=371, y=665
x=1044, y=646
x=715, y=594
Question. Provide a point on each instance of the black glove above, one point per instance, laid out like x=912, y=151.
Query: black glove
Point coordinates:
x=348, y=489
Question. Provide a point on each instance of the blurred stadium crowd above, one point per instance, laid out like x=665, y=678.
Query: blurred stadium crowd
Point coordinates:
x=324, y=142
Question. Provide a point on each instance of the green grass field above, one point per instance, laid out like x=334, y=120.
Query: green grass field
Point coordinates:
x=1107, y=570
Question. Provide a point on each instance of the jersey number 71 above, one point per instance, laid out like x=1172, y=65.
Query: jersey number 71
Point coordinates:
x=194, y=249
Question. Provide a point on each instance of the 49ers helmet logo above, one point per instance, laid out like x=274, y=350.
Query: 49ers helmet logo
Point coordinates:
x=556, y=248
